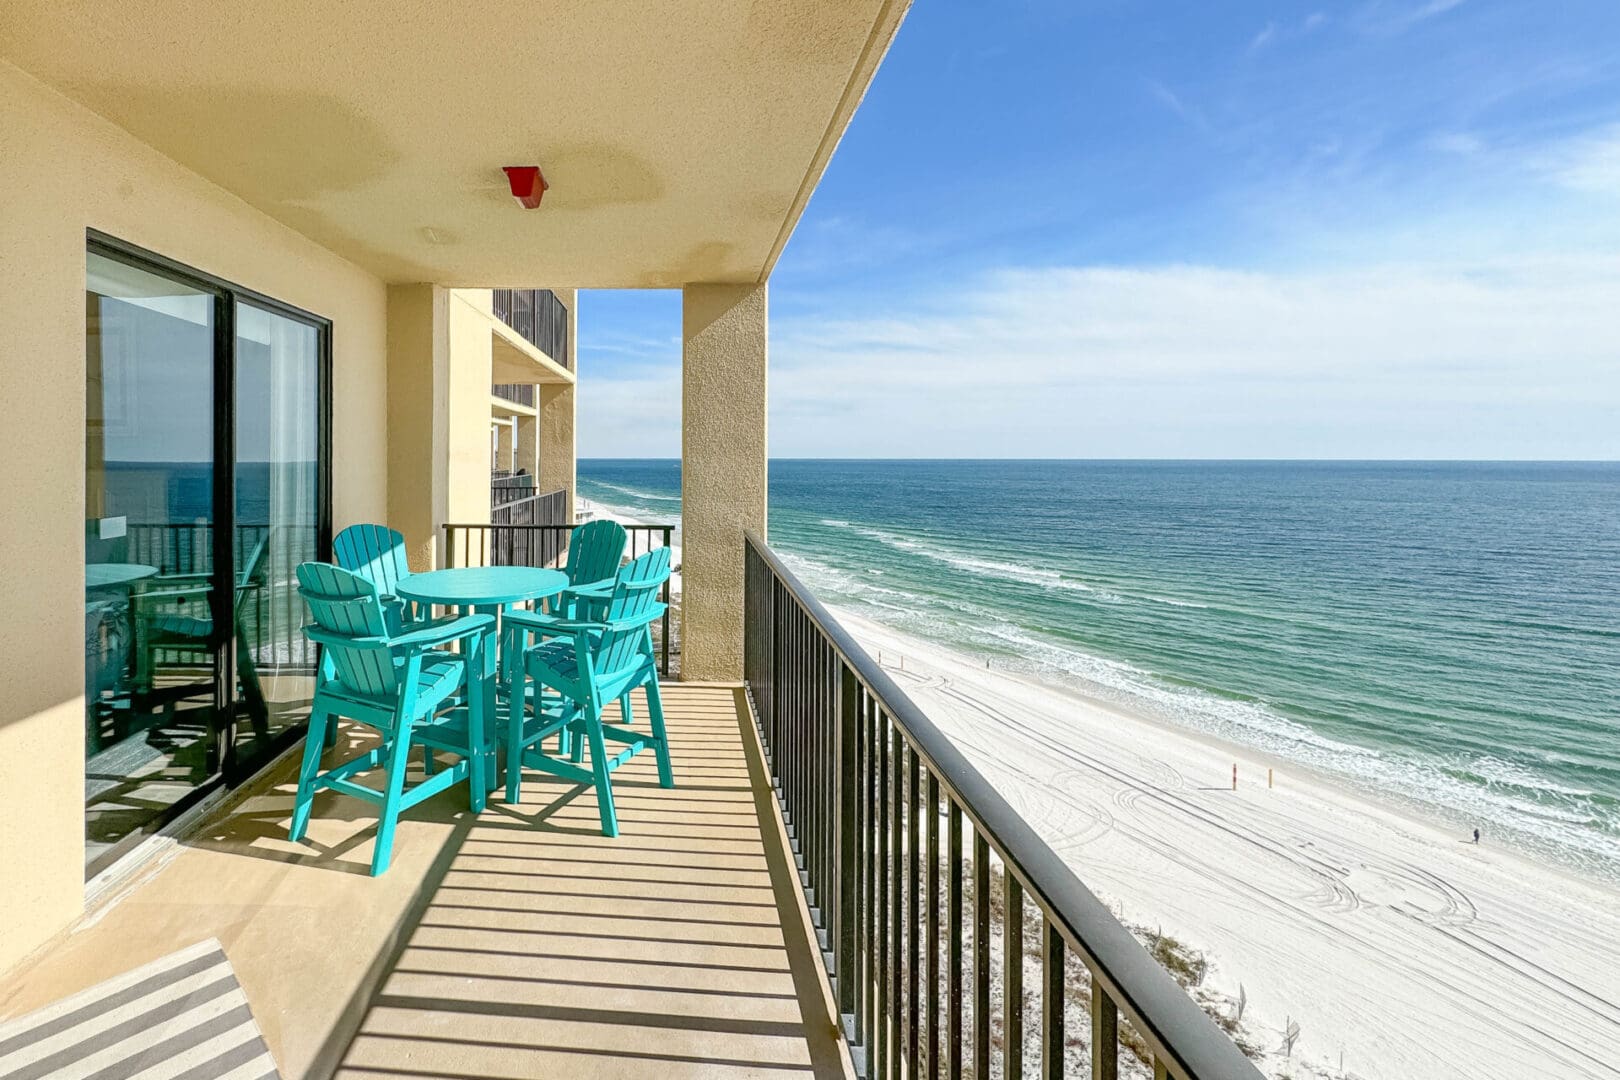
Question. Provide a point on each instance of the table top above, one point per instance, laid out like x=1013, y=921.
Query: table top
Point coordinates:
x=477, y=586
x=101, y=575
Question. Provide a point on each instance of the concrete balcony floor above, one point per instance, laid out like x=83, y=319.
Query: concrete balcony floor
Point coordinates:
x=521, y=943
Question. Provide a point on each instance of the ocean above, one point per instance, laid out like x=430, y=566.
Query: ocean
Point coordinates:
x=1443, y=634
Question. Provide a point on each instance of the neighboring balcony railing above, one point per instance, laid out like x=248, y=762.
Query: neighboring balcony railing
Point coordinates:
x=539, y=317
x=550, y=508
x=865, y=781
x=505, y=487
x=499, y=544
x=516, y=393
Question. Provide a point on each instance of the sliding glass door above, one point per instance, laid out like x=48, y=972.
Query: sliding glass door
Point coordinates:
x=150, y=657
x=205, y=486
x=278, y=511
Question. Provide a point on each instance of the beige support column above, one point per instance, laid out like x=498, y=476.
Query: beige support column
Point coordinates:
x=438, y=417
x=723, y=416
x=466, y=461
x=528, y=444
x=556, y=441
x=418, y=377
x=504, y=440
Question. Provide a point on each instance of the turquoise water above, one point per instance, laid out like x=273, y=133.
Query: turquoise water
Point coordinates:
x=1445, y=633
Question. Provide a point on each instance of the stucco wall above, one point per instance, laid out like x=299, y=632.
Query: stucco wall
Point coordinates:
x=722, y=468
x=467, y=402
x=63, y=170
x=558, y=406
x=417, y=381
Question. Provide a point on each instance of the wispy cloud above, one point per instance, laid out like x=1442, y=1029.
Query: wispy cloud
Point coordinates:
x=1398, y=16
x=1589, y=162
x=1491, y=359
x=1511, y=357
x=1274, y=33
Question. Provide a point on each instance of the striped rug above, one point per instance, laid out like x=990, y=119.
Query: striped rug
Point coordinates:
x=183, y=1017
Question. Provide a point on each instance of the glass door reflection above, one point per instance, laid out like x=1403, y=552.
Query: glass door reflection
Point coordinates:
x=150, y=638
x=277, y=521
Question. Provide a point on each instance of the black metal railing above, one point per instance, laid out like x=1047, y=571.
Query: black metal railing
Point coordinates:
x=547, y=545
x=548, y=509
x=867, y=785
x=516, y=393
x=505, y=487
x=539, y=317
x=272, y=613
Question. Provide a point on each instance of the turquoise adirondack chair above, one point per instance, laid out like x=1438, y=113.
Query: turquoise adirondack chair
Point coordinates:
x=400, y=684
x=595, y=550
x=600, y=655
x=377, y=553
x=172, y=614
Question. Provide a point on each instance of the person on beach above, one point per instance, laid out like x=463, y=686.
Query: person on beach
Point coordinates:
x=1476, y=836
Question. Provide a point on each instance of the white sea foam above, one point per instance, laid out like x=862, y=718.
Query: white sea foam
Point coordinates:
x=634, y=493
x=1004, y=571
x=1551, y=820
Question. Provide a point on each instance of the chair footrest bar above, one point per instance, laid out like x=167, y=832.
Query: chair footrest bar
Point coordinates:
x=623, y=756
x=434, y=784
x=351, y=789
x=568, y=771
x=364, y=763
x=624, y=734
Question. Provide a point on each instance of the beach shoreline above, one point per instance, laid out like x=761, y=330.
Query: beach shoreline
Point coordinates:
x=1378, y=929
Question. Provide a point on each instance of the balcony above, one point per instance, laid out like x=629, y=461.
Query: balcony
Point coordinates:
x=540, y=318
x=518, y=943
x=516, y=393
x=831, y=889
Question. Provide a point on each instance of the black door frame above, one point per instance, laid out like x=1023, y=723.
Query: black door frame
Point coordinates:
x=224, y=769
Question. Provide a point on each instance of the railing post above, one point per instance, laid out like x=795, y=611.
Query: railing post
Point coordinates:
x=846, y=784
x=1104, y=1034
x=1052, y=1042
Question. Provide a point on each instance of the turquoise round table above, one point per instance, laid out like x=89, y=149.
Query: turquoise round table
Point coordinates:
x=109, y=575
x=486, y=590
x=482, y=587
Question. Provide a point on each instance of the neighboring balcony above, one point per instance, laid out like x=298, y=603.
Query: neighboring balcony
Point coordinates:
x=516, y=393
x=540, y=318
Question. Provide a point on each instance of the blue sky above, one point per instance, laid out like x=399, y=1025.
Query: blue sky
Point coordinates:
x=1125, y=228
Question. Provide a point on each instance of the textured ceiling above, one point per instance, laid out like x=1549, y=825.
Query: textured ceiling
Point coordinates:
x=680, y=138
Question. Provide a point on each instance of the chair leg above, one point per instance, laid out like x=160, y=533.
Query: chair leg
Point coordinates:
x=328, y=673
x=626, y=717
x=480, y=771
x=604, y=785
x=399, y=754
x=655, y=712
x=577, y=740
x=307, y=771
x=428, y=765
x=247, y=673
x=514, y=736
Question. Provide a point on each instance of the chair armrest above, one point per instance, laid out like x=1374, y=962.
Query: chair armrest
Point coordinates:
x=176, y=593
x=595, y=589
x=651, y=615
x=540, y=623
x=442, y=631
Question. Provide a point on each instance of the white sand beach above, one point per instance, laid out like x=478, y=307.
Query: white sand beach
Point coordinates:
x=1393, y=941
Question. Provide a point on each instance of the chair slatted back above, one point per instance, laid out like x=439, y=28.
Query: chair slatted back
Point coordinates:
x=635, y=604
x=252, y=570
x=375, y=552
x=594, y=551
x=343, y=603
